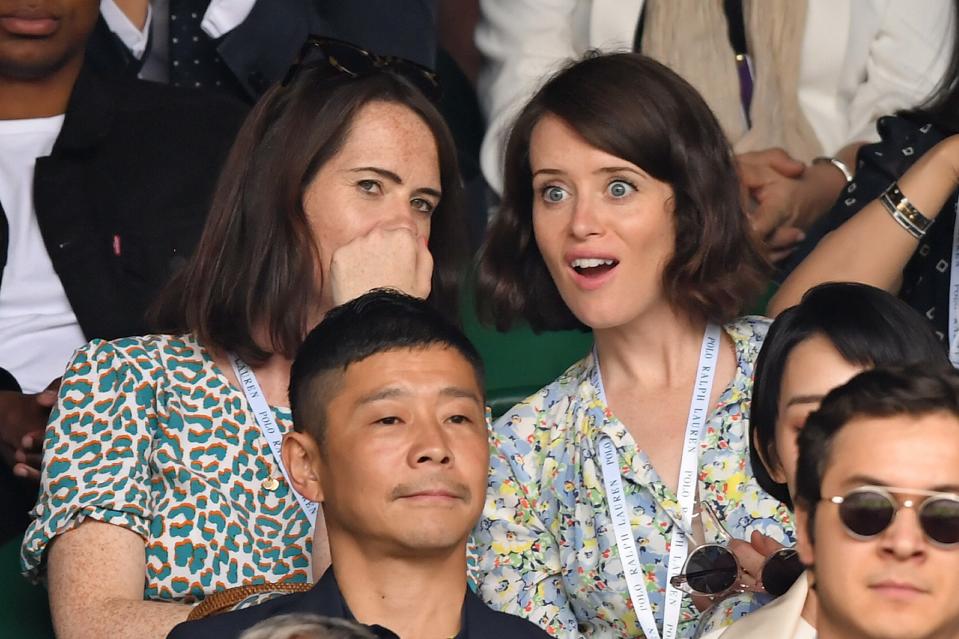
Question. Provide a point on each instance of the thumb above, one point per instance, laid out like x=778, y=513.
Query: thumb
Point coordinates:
x=786, y=165
x=46, y=398
x=424, y=271
x=764, y=545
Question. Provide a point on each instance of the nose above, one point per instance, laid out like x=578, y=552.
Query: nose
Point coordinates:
x=431, y=444
x=903, y=538
x=399, y=214
x=584, y=221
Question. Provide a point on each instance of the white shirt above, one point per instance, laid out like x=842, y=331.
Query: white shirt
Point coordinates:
x=38, y=329
x=860, y=59
x=221, y=17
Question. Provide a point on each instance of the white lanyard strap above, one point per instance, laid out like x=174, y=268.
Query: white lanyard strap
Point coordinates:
x=263, y=415
x=686, y=495
x=953, y=329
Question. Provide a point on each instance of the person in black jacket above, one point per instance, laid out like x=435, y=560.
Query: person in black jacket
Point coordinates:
x=104, y=187
x=391, y=438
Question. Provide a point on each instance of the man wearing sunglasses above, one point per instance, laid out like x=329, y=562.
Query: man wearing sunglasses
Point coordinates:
x=877, y=513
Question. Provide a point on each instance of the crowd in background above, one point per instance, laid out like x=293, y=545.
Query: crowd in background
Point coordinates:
x=235, y=236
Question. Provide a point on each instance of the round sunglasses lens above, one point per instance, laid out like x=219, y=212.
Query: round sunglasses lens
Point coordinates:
x=866, y=513
x=939, y=517
x=711, y=570
x=781, y=571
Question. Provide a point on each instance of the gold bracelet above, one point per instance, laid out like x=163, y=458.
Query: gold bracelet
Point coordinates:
x=902, y=210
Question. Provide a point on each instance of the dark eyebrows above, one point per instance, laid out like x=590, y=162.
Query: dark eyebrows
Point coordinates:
x=458, y=392
x=866, y=480
x=604, y=170
x=393, y=177
x=394, y=392
x=804, y=399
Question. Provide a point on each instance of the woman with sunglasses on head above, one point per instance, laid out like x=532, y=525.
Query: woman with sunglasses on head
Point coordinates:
x=621, y=213
x=162, y=480
x=835, y=332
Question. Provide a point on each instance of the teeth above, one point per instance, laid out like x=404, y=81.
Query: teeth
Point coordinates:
x=590, y=263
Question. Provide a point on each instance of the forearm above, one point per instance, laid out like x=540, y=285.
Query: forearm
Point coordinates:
x=872, y=248
x=117, y=618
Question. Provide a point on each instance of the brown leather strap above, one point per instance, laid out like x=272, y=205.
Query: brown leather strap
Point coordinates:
x=223, y=600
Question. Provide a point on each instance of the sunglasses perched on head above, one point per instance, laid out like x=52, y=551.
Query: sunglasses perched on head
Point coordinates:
x=867, y=511
x=713, y=570
x=352, y=61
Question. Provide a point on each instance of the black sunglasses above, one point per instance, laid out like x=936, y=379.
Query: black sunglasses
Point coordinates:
x=713, y=570
x=867, y=511
x=350, y=60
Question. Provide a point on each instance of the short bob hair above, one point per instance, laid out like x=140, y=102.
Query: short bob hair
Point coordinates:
x=632, y=107
x=882, y=392
x=866, y=325
x=255, y=262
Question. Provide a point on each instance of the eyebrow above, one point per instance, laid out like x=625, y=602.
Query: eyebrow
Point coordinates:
x=804, y=399
x=604, y=169
x=872, y=481
x=396, y=179
x=394, y=392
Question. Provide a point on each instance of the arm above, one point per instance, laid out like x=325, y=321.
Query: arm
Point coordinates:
x=907, y=58
x=518, y=567
x=850, y=252
x=522, y=41
x=96, y=586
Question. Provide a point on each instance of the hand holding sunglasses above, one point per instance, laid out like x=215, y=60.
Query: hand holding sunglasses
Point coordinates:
x=867, y=511
x=713, y=570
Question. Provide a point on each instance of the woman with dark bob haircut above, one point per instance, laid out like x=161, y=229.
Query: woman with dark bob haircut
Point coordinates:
x=161, y=480
x=835, y=332
x=621, y=213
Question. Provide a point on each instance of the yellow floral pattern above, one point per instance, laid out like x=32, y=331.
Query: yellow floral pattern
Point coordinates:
x=545, y=548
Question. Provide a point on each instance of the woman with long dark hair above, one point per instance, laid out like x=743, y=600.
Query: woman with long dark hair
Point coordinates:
x=162, y=480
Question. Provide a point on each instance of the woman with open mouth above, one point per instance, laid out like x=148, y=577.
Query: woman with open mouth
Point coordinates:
x=621, y=213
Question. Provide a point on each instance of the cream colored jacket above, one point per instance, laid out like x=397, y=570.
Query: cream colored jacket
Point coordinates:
x=860, y=59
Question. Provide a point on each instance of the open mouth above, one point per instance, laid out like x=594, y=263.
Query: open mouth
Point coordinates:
x=593, y=266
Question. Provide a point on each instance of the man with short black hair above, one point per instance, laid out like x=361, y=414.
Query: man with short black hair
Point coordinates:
x=877, y=511
x=391, y=437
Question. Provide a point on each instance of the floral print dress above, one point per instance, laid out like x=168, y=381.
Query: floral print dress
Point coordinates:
x=545, y=547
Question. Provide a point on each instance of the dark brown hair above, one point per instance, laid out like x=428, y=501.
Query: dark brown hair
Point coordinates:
x=255, y=262
x=637, y=109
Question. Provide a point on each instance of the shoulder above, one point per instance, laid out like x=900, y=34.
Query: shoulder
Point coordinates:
x=748, y=333
x=233, y=623
x=567, y=386
x=484, y=621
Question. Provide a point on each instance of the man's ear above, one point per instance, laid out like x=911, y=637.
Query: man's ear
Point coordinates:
x=301, y=457
x=803, y=542
x=773, y=467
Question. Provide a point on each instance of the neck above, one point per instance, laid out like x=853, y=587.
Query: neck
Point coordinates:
x=412, y=596
x=42, y=98
x=810, y=606
x=656, y=350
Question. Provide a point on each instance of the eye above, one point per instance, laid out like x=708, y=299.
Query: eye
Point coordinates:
x=620, y=189
x=422, y=205
x=372, y=187
x=460, y=419
x=553, y=194
x=392, y=420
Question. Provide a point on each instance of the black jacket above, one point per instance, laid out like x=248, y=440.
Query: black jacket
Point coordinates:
x=325, y=599
x=123, y=197
x=259, y=51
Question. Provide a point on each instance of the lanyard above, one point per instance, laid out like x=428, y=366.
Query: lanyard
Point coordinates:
x=268, y=426
x=686, y=494
x=954, y=294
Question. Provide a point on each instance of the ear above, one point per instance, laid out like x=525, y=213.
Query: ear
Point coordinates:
x=803, y=543
x=773, y=467
x=301, y=457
